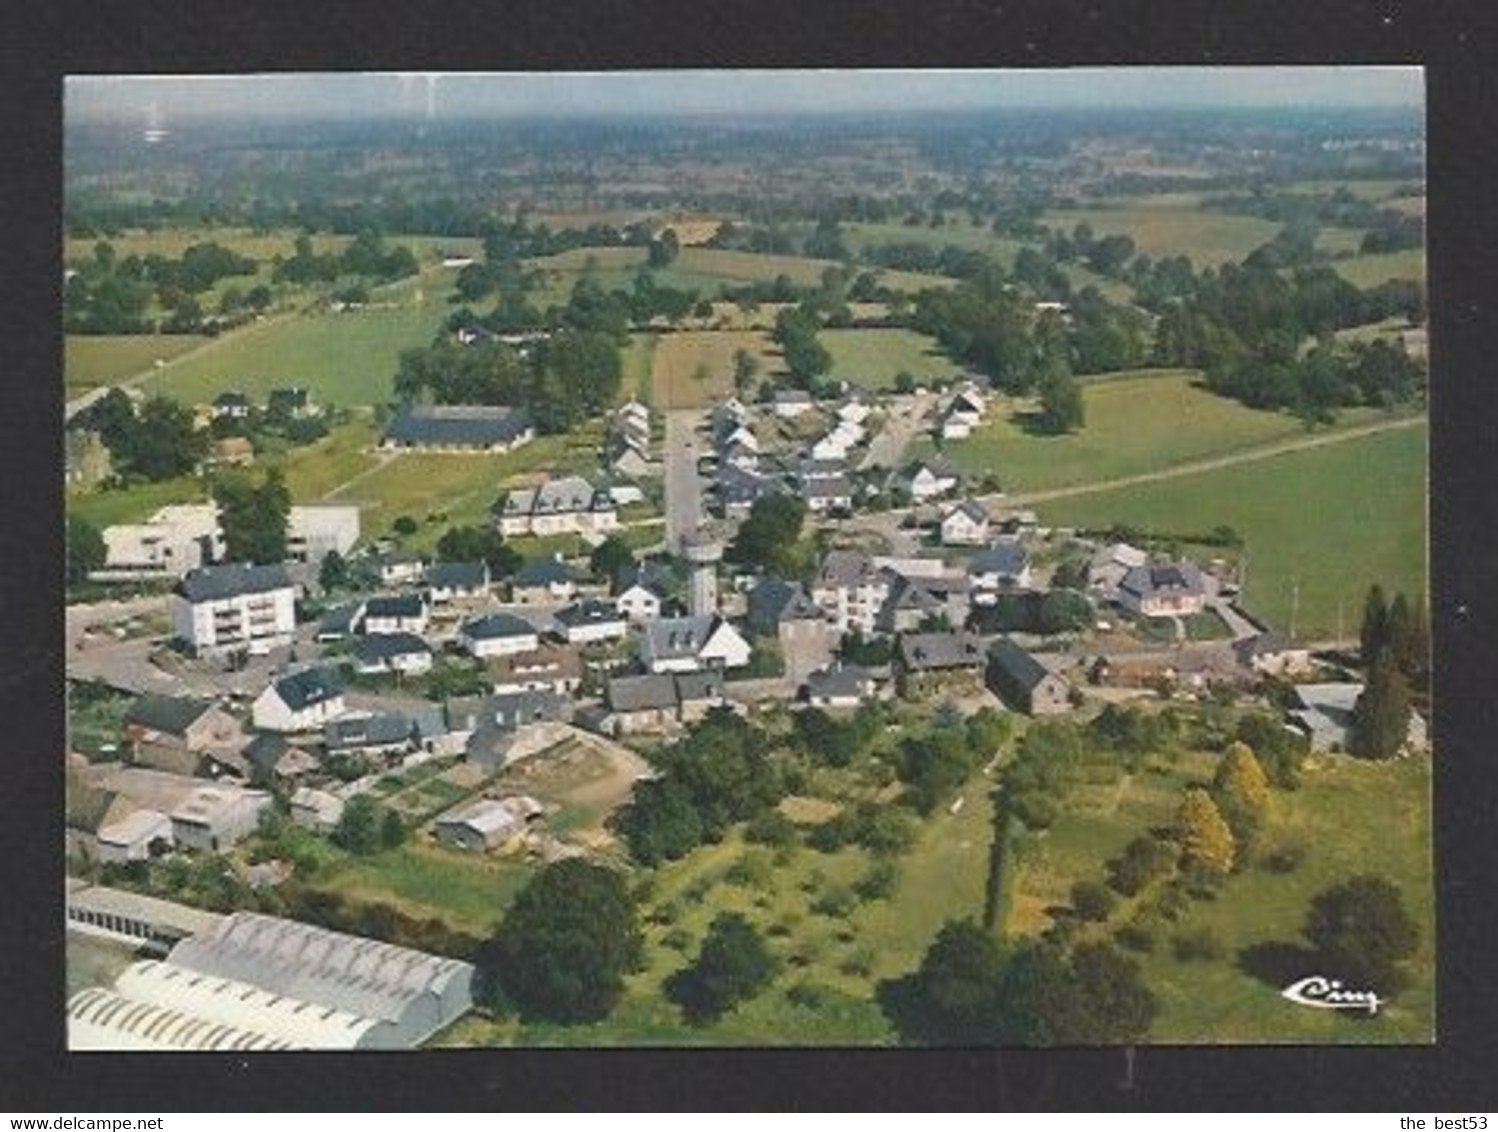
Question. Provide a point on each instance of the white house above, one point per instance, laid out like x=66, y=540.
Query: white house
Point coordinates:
x=402, y=613
x=457, y=581
x=569, y=505
x=496, y=634
x=1003, y=565
x=828, y=493
x=932, y=479
x=639, y=602
x=965, y=525
x=691, y=644
x=791, y=403
x=1169, y=589
x=403, y=653
x=219, y=609
x=591, y=620
x=303, y=701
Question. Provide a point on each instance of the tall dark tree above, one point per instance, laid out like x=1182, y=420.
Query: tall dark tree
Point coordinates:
x=610, y=558
x=768, y=536
x=1381, y=716
x=952, y=998
x=1374, y=632
x=253, y=517
x=733, y=965
x=1363, y=931
x=565, y=945
x=85, y=549
x=333, y=574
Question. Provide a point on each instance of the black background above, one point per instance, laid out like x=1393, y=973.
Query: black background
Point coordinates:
x=48, y=40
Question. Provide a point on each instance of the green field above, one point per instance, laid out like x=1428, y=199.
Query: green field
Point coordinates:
x=1371, y=270
x=941, y=877
x=469, y=891
x=1166, y=226
x=316, y=469
x=134, y=504
x=1331, y=521
x=694, y=368
x=1134, y=424
x=872, y=358
x=346, y=358
x=1214, y=1001
x=90, y=360
x=638, y=359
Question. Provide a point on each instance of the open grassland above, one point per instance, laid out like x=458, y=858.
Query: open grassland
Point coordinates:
x=638, y=361
x=134, y=504
x=1327, y=521
x=1340, y=241
x=346, y=358
x=172, y=242
x=316, y=469
x=1349, y=816
x=872, y=358
x=694, y=368
x=831, y=961
x=1164, y=226
x=91, y=360
x=440, y=489
x=468, y=891
x=1371, y=270
x=1134, y=424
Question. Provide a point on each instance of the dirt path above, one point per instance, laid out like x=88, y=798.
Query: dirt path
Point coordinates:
x=1210, y=464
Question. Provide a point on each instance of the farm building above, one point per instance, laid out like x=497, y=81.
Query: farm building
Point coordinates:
x=1110, y=565
x=176, y=733
x=659, y=701
x=487, y=823
x=470, y=428
x=316, y=810
x=129, y=917
x=1024, y=682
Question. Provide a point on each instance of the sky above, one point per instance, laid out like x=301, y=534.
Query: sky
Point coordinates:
x=164, y=98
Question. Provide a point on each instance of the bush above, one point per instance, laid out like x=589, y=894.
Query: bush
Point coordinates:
x=1284, y=858
x=1197, y=944
x=1091, y=900
x=753, y=870
x=1144, y=860
x=677, y=939
x=879, y=883
x=1035, y=810
x=1136, y=937
x=771, y=828
x=836, y=903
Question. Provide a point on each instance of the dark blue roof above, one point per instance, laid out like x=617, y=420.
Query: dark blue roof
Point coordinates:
x=458, y=575
x=233, y=579
x=380, y=647
x=398, y=605
x=590, y=612
x=475, y=425
x=542, y=572
x=494, y=625
x=1000, y=558
x=311, y=686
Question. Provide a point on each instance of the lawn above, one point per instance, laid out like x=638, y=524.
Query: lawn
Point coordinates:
x=346, y=358
x=91, y=360
x=1166, y=226
x=836, y=959
x=638, y=358
x=469, y=891
x=316, y=469
x=1327, y=521
x=1371, y=270
x=134, y=504
x=1214, y=1001
x=1135, y=424
x=682, y=356
x=872, y=358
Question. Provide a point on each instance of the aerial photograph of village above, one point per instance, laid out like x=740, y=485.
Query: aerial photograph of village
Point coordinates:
x=742, y=558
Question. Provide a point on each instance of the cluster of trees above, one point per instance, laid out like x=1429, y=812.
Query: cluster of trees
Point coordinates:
x=253, y=516
x=971, y=991
x=770, y=538
x=570, y=376
x=934, y=765
x=1395, y=642
x=367, y=827
x=109, y=295
x=1105, y=255
x=716, y=776
x=1363, y=932
x=479, y=544
x=158, y=442
x=733, y=964
x=564, y=947
x=1388, y=228
x=806, y=358
x=367, y=256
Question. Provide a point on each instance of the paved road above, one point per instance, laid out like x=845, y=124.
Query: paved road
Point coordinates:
x=906, y=418
x=683, y=484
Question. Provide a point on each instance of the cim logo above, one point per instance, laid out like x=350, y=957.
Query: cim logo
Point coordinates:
x=1330, y=994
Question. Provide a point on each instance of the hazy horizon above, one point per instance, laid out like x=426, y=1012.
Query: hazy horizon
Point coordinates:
x=162, y=99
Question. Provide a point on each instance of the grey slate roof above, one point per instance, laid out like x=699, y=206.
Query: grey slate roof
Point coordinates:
x=1003, y=558
x=265, y=750
x=590, y=612
x=310, y=686
x=380, y=647
x=171, y=715
x=829, y=487
x=398, y=605
x=694, y=686
x=542, y=572
x=927, y=651
x=844, y=568
x=642, y=693
x=839, y=681
x=475, y=425
x=234, y=579
x=677, y=637
x=457, y=575
x=775, y=600
x=1166, y=578
x=379, y=730
x=1019, y=666
x=339, y=621
x=654, y=576
x=494, y=626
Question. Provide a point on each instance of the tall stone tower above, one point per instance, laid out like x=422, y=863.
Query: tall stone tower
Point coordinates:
x=703, y=552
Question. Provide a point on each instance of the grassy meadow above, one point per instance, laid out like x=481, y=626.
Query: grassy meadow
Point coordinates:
x=1140, y=423
x=1171, y=225
x=1371, y=270
x=1216, y=1001
x=91, y=360
x=1331, y=521
x=694, y=368
x=872, y=358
